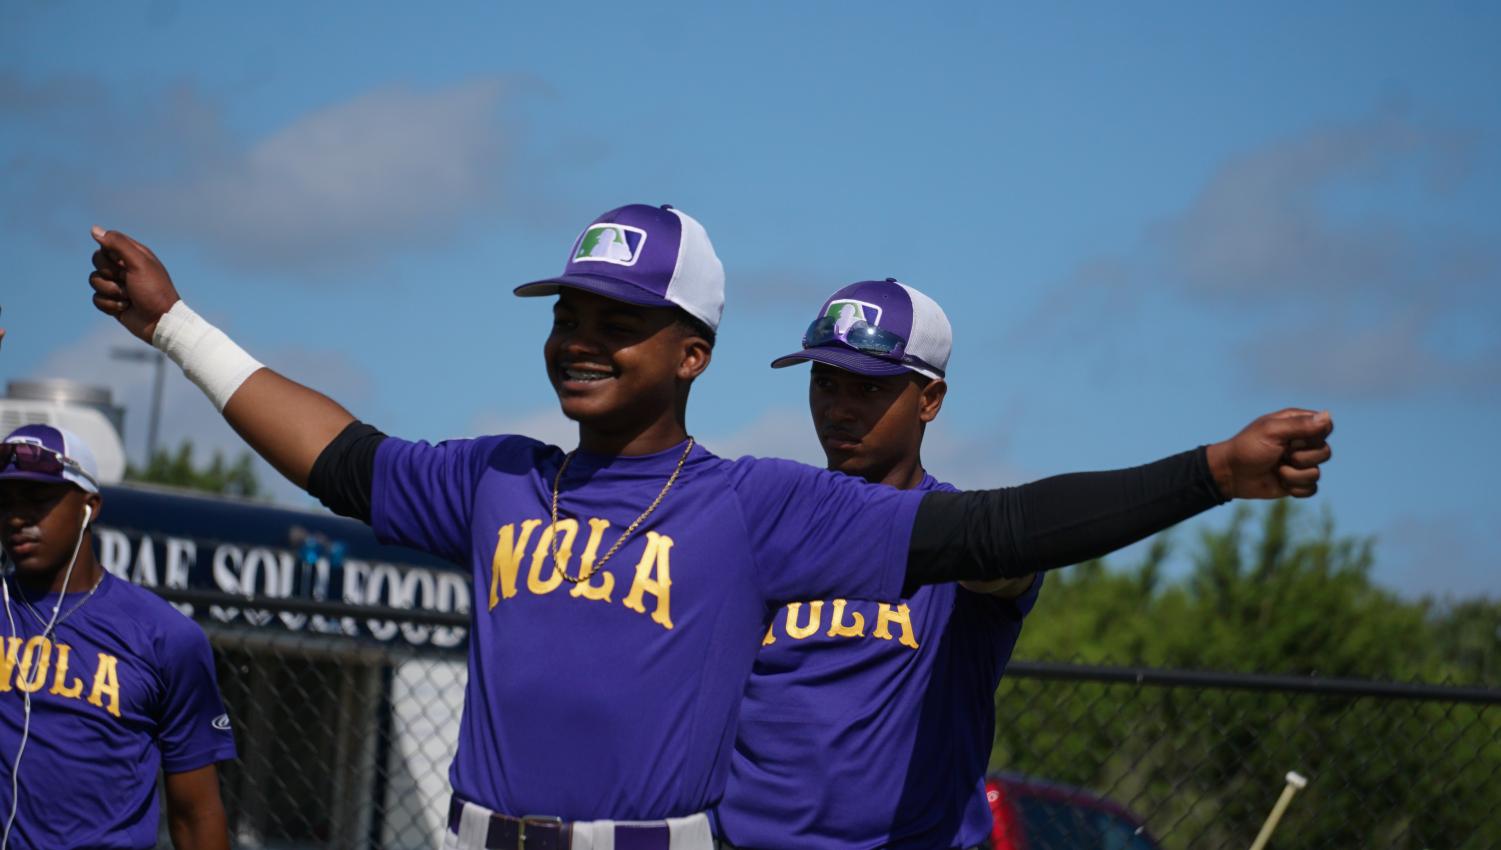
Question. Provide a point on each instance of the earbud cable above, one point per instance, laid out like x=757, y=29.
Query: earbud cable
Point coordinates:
x=15, y=768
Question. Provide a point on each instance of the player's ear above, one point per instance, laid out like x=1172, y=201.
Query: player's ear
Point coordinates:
x=93, y=503
x=931, y=400
x=695, y=356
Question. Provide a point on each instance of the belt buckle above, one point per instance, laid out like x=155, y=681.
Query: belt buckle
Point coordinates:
x=538, y=820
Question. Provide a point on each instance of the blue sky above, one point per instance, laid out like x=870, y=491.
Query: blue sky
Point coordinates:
x=1148, y=223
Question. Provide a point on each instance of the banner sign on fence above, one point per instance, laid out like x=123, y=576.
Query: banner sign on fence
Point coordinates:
x=157, y=537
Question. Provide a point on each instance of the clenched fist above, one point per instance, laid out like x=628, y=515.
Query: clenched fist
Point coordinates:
x=1277, y=455
x=130, y=283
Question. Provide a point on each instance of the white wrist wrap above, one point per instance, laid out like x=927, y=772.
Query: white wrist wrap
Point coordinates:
x=208, y=357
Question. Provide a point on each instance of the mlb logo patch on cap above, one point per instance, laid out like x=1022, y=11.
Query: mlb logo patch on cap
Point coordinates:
x=646, y=255
x=848, y=310
x=878, y=327
x=610, y=243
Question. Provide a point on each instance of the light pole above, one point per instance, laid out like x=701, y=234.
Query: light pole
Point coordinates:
x=138, y=355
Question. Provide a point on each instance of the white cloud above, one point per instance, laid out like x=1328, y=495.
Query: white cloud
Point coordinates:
x=547, y=424
x=1313, y=244
x=962, y=459
x=342, y=181
x=777, y=432
x=1264, y=224
x=1370, y=360
x=344, y=184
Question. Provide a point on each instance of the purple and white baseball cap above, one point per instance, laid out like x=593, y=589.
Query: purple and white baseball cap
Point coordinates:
x=641, y=254
x=878, y=327
x=50, y=454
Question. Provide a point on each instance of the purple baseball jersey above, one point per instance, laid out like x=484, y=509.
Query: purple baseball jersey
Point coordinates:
x=617, y=698
x=869, y=724
x=125, y=686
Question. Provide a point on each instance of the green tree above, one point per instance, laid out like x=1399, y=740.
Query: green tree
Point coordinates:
x=1294, y=597
x=178, y=469
x=1468, y=633
x=1275, y=591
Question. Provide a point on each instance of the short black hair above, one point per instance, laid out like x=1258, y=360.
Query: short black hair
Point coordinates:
x=695, y=325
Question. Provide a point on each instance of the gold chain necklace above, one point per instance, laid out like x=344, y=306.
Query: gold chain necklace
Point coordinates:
x=557, y=565
x=25, y=603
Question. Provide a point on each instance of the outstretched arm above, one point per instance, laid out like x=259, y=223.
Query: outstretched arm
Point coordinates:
x=286, y=423
x=1007, y=533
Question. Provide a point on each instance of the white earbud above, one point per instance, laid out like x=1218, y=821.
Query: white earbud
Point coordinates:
x=88, y=513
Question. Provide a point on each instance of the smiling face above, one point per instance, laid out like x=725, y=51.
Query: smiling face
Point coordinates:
x=40, y=524
x=872, y=426
x=619, y=368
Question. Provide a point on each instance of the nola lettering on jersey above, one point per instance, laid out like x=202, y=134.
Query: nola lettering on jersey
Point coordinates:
x=26, y=662
x=653, y=574
x=842, y=623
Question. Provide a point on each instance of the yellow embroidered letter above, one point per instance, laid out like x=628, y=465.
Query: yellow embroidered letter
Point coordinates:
x=8, y=661
x=508, y=554
x=106, y=683
x=569, y=528
x=654, y=561
x=815, y=617
x=837, y=627
x=902, y=616
x=72, y=689
x=771, y=637
x=588, y=589
x=34, y=662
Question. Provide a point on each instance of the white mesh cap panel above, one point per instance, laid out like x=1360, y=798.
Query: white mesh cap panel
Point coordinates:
x=697, y=283
x=932, y=337
x=73, y=448
x=80, y=453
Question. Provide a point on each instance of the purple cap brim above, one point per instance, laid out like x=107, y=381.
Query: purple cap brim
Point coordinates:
x=847, y=359
x=18, y=475
x=607, y=286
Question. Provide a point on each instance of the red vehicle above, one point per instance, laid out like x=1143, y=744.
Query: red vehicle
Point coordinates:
x=1035, y=814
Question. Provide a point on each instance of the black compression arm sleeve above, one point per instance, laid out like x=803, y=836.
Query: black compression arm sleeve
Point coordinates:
x=991, y=534
x=343, y=475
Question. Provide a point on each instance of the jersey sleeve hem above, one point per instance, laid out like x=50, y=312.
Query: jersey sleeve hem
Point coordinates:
x=199, y=758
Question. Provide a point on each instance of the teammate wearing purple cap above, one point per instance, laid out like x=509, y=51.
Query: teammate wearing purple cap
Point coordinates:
x=102, y=683
x=622, y=589
x=868, y=724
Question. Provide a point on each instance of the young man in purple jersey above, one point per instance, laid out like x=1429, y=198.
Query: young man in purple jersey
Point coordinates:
x=868, y=724
x=102, y=683
x=622, y=589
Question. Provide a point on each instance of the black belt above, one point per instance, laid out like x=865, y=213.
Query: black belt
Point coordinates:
x=533, y=832
x=721, y=844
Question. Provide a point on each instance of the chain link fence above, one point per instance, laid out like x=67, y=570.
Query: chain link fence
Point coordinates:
x=1200, y=758
x=345, y=742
